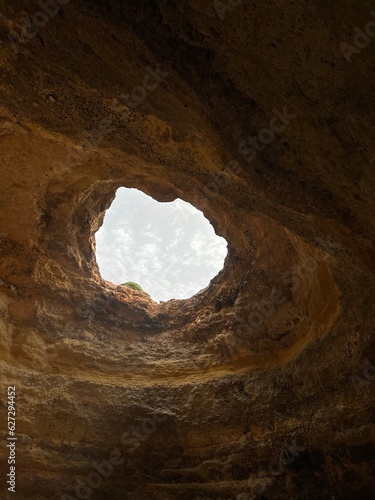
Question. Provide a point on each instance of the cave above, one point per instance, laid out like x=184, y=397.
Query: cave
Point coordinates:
x=261, y=384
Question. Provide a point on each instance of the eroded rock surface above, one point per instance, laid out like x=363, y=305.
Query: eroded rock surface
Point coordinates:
x=259, y=386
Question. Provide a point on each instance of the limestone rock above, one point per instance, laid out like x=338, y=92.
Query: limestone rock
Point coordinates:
x=262, y=384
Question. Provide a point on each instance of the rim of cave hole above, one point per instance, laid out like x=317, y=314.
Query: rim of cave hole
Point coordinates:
x=169, y=249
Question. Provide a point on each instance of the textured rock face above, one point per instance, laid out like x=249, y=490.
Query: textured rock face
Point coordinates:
x=261, y=385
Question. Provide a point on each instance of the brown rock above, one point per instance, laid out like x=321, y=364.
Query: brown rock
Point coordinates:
x=260, y=384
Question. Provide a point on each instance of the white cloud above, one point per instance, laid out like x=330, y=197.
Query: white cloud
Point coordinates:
x=170, y=249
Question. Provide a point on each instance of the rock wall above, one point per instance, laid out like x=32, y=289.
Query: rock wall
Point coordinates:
x=262, y=384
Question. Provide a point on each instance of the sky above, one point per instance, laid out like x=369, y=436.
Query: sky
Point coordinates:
x=170, y=249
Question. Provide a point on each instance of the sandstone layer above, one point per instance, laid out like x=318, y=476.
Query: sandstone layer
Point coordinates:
x=262, y=384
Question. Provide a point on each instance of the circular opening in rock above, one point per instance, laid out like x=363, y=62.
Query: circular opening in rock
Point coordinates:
x=169, y=249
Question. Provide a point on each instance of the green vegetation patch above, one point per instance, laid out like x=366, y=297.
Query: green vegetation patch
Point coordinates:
x=133, y=285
